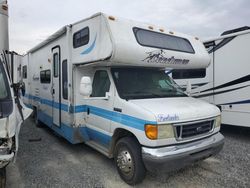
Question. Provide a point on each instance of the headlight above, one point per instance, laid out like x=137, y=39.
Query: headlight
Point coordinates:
x=217, y=121
x=154, y=132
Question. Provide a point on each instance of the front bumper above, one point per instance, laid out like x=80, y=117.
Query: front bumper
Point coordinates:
x=5, y=159
x=174, y=157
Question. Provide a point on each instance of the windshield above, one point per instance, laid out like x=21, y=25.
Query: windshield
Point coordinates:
x=141, y=83
x=4, y=87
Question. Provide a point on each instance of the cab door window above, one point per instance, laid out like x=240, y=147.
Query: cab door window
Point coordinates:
x=101, y=84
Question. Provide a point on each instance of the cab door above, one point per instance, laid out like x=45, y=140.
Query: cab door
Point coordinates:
x=56, y=86
x=99, y=109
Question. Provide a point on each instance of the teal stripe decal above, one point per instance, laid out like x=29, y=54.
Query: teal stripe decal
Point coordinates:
x=127, y=120
x=75, y=135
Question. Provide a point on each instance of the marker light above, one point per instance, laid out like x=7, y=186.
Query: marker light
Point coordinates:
x=150, y=27
x=112, y=18
x=196, y=38
x=171, y=32
x=5, y=7
x=161, y=30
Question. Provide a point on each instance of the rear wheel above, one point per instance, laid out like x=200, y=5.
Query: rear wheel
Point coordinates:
x=128, y=160
x=3, y=177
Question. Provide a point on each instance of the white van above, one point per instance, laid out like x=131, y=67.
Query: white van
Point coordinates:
x=102, y=81
x=225, y=82
x=12, y=110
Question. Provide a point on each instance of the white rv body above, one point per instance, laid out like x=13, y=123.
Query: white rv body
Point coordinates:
x=4, y=29
x=101, y=48
x=225, y=82
x=12, y=110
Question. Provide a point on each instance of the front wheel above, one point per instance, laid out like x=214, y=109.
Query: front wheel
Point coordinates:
x=128, y=160
x=3, y=177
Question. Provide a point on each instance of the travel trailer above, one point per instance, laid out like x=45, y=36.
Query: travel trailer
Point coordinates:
x=225, y=82
x=102, y=81
x=12, y=110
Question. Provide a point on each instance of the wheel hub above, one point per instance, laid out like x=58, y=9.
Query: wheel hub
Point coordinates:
x=124, y=161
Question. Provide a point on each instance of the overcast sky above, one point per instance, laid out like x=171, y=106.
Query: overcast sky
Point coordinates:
x=32, y=21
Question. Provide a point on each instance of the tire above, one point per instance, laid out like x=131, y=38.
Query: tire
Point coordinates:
x=128, y=160
x=3, y=177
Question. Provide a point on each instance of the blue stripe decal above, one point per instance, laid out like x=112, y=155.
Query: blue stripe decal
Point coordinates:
x=111, y=115
x=89, y=49
x=47, y=102
x=238, y=102
x=99, y=137
x=80, y=108
x=75, y=135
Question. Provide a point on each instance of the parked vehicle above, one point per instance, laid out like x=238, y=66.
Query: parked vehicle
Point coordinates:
x=102, y=81
x=12, y=110
x=225, y=82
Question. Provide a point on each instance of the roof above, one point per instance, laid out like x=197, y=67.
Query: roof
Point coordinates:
x=49, y=39
x=58, y=34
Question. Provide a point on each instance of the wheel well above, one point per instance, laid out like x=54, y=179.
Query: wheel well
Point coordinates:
x=118, y=134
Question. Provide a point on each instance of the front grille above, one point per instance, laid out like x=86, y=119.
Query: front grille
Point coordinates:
x=193, y=129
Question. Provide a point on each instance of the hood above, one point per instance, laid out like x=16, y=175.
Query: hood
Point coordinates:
x=180, y=109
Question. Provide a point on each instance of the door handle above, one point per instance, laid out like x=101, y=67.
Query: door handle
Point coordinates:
x=117, y=109
x=88, y=111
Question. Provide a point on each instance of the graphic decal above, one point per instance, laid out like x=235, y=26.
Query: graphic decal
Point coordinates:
x=231, y=83
x=220, y=92
x=159, y=56
x=237, y=102
x=167, y=117
x=90, y=48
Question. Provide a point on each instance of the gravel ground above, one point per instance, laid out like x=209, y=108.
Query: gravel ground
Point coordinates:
x=53, y=162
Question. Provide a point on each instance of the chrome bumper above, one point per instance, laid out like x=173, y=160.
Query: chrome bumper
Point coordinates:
x=177, y=156
x=5, y=159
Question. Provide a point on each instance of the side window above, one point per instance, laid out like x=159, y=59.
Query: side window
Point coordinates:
x=45, y=76
x=56, y=64
x=101, y=84
x=81, y=37
x=65, y=79
x=25, y=71
x=188, y=73
x=162, y=41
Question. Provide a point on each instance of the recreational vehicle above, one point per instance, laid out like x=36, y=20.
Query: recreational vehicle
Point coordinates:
x=102, y=81
x=12, y=111
x=225, y=82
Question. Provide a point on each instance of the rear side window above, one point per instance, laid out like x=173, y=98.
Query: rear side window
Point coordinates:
x=25, y=71
x=56, y=64
x=65, y=79
x=81, y=38
x=188, y=73
x=101, y=84
x=162, y=41
x=45, y=76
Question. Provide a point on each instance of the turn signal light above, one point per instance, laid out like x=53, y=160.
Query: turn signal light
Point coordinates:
x=151, y=131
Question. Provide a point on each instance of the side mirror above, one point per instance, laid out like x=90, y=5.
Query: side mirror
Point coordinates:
x=189, y=88
x=85, y=86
